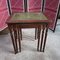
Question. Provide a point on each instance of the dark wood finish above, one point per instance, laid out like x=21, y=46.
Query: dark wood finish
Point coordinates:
x=15, y=36
x=45, y=38
x=36, y=33
x=39, y=31
x=42, y=36
x=19, y=38
x=20, y=33
x=15, y=27
x=12, y=37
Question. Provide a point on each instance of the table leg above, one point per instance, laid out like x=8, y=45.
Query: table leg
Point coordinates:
x=35, y=33
x=42, y=36
x=39, y=31
x=21, y=33
x=45, y=38
x=12, y=38
x=19, y=38
x=15, y=37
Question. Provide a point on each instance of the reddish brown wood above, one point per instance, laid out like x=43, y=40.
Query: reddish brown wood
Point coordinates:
x=19, y=38
x=35, y=33
x=18, y=25
x=42, y=28
x=45, y=38
x=39, y=31
x=15, y=37
x=21, y=33
x=12, y=38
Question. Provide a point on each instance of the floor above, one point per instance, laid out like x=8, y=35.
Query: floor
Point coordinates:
x=29, y=46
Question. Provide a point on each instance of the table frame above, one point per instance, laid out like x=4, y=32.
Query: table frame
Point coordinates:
x=15, y=32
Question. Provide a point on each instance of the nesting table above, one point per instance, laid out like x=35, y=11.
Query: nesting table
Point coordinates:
x=17, y=21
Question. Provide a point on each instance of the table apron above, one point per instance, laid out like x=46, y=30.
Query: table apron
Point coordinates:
x=27, y=25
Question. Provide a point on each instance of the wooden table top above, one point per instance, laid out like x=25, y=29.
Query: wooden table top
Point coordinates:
x=27, y=18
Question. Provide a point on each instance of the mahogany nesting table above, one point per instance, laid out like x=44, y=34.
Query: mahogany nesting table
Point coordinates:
x=18, y=21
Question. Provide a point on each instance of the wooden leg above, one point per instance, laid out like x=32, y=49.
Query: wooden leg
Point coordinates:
x=15, y=37
x=19, y=39
x=38, y=38
x=12, y=38
x=42, y=37
x=35, y=33
x=45, y=38
x=21, y=33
